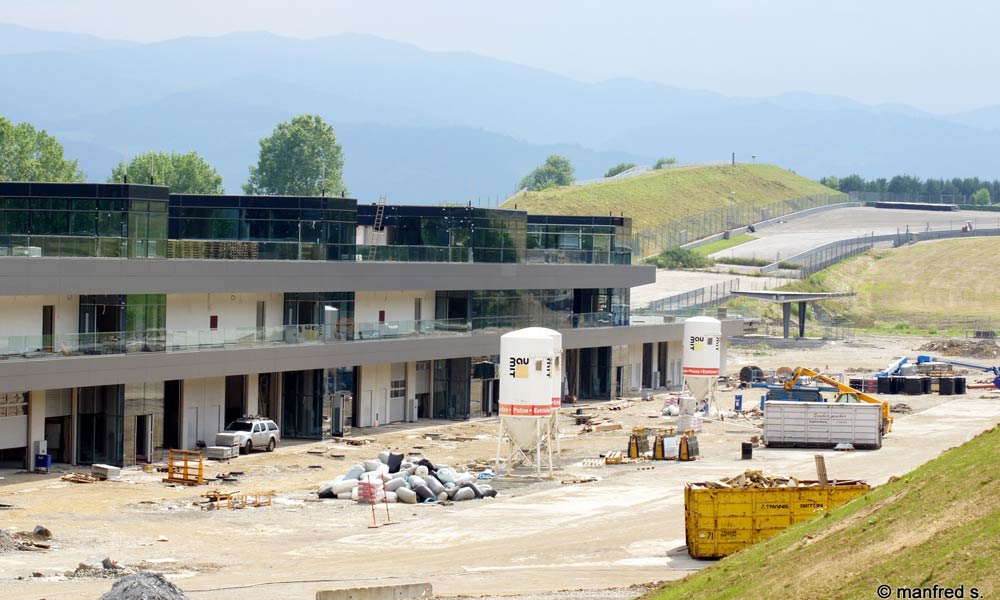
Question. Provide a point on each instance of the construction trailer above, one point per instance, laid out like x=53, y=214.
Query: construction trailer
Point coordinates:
x=822, y=425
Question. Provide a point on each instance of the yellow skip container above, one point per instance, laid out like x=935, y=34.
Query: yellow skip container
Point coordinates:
x=719, y=522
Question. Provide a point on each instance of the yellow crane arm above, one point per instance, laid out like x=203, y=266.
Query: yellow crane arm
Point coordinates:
x=843, y=389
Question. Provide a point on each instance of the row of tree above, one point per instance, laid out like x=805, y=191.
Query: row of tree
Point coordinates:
x=978, y=191
x=301, y=157
x=558, y=170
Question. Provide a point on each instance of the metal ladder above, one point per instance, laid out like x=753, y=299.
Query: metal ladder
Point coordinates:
x=377, y=227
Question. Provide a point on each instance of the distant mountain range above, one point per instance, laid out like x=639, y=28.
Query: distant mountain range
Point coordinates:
x=427, y=127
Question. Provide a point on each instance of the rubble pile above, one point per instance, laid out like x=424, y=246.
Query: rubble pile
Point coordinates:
x=394, y=478
x=756, y=478
x=36, y=540
x=144, y=585
x=972, y=348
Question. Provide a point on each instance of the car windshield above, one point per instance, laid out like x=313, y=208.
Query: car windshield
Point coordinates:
x=239, y=426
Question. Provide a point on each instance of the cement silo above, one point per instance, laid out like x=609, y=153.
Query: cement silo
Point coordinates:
x=530, y=374
x=702, y=356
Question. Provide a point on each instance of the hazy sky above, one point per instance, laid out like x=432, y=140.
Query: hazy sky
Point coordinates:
x=938, y=56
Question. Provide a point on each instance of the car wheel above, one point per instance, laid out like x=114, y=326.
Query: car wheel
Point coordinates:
x=271, y=444
x=248, y=448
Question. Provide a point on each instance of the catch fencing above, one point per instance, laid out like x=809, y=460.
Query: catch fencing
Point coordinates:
x=684, y=230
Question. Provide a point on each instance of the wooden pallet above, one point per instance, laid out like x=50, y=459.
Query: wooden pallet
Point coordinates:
x=185, y=468
x=255, y=499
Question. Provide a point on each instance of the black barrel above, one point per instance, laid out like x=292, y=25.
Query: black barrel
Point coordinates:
x=896, y=384
x=946, y=386
x=912, y=386
x=883, y=385
x=960, y=387
x=747, y=450
x=858, y=384
x=926, y=384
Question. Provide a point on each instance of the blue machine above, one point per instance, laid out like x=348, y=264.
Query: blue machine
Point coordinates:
x=958, y=363
x=895, y=367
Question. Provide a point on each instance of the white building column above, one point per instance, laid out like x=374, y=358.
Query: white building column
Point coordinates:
x=36, y=424
x=253, y=394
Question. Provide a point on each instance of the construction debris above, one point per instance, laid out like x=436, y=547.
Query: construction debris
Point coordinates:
x=23, y=541
x=621, y=405
x=581, y=480
x=601, y=424
x=353, y=441
x=144, y=585
x=755, y=478
x=901, y=408
x=393, y=478
x=80, y=478
x=971, y=348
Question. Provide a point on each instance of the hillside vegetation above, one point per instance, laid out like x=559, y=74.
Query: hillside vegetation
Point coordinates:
x=654, y=198
x=939, y=524
x=929, y=286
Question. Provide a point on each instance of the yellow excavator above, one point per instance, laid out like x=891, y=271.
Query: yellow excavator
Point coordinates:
x=845, y=393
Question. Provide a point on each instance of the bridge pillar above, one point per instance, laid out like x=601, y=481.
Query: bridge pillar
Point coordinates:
x=802, y=319
x=786, y=317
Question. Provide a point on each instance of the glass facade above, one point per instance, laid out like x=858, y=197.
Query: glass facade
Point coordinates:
x=302, y=403
x=117, y=323
x=262, y=227
x=137, y=221
x=489, y=235
x=315, y=308
x=144, y=423
x=450, y=396
x=83, y=219
x=579, y=239
x=100, y=424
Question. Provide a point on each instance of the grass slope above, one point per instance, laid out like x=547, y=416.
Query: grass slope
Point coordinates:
x=655, y=198
x=720, y=245
x=939, y=524
x=927, y=286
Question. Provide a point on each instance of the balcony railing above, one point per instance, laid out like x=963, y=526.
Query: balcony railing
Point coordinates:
x=181, y=340
x=68, y=246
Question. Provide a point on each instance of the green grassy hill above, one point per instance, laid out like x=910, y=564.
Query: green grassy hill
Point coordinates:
x=654, y=198
x=939, y=524
x=928, y=285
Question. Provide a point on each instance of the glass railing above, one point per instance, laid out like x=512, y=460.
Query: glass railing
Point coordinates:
x=555, y=321
x=577, y=257
x=170, y=340
x=112, y=247
x=414, y=253
x=81, y=246
x=180, y=340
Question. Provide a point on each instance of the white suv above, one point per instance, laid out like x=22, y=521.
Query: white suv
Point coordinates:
x=249, y=433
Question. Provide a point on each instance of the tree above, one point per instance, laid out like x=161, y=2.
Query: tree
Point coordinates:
x=619, y=168
x=670, y=160
x=300, y=158
x=557, y=170
x=980, y=196
x=182, y=173
x=29, y=154
x=830, y=182
x=851, y=183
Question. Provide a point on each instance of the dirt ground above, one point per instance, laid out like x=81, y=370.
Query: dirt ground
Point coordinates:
x=539, y=536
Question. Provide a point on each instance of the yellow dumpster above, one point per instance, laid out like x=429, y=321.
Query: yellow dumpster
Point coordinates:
x=719, y=522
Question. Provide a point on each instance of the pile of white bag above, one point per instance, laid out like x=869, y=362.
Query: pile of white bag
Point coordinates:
x=393, y=478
